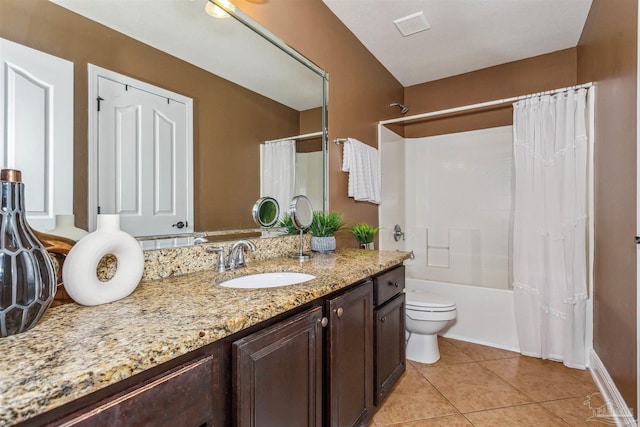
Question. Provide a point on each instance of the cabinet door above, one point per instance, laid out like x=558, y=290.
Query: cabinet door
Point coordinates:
x=277, y=374
x=350, y=354
x=389, y=355
x=183, y=396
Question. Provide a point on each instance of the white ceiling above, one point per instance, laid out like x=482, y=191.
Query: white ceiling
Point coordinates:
x=465, y=35
x=223, y=47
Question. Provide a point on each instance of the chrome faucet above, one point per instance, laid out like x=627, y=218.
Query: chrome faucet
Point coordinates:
x=221, y=265
x=236, y=253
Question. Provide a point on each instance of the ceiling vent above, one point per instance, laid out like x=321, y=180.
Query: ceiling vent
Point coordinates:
x=412, y=24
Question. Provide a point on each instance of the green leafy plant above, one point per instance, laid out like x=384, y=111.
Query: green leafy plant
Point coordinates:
x=286, y=222
x=364, y=232
x=325, y=224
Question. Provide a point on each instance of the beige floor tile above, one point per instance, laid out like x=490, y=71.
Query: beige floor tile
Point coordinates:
x=479, y=352
x=450, y=421
x=471, y=387
x=532, y=415
x=449, y=355
x=541, y=380
x=412, y=399
x=576, y=411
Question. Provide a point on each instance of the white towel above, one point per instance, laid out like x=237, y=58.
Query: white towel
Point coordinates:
x=363, y=165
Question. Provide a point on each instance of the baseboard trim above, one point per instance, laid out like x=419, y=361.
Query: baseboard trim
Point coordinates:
x=615, y=409
x=481, y=342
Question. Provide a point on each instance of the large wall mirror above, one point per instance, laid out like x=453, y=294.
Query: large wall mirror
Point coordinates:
x=252, y=96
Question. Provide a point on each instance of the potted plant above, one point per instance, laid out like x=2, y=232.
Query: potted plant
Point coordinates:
x=365, y=234
x=286, y=222
x=323, y=230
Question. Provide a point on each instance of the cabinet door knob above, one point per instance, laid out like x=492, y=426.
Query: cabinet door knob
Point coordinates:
x=339, y=311
x=323, y=322
x=393, y=283
x=382, y=319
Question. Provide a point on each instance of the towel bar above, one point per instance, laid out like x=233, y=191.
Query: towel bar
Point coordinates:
x=340, y=140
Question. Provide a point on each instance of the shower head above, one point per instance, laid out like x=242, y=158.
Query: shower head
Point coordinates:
x=403, y=108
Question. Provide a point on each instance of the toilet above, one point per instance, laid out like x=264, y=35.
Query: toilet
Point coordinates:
x=426, y=315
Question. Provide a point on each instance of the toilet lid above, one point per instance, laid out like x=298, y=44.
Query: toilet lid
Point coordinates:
x=417, y=298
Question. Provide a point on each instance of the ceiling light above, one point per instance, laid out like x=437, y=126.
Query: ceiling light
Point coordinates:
x=412, y=24
x=218, y=11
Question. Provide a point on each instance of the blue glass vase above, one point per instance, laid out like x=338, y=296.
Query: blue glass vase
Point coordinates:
x=27, y=277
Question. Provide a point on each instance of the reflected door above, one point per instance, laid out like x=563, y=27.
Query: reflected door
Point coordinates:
x=143, y=165
x=36, y=129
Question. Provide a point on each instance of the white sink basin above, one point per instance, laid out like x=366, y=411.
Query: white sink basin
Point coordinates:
x=267, y=280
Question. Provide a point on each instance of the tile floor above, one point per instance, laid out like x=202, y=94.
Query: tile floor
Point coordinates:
x=475, y=385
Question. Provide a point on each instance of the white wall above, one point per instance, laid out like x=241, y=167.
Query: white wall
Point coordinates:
x=452, y=196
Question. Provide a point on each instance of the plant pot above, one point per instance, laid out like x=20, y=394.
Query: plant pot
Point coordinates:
x=323, y=244
x=370, y=246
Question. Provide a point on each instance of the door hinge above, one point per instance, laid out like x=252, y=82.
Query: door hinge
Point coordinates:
x=637, y=239
x=99, y=99
x=98, y=210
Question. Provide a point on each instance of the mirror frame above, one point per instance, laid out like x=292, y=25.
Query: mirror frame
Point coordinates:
x=276, y=41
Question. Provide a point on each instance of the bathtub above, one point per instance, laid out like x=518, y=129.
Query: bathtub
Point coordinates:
x=485, y=315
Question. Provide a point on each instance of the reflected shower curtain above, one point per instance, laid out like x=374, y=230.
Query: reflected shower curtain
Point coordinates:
x=278, y=177
x=549, y=231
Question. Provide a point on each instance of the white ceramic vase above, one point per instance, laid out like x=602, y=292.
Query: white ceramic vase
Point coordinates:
x=79, y=271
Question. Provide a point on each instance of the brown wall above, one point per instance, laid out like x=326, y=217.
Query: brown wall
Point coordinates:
x=607, y=55
x=229, y=121
x=360, y=89
x=540, y=73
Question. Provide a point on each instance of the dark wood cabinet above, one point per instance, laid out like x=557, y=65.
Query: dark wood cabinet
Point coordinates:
x=390, y=342
x=290, y=370
x=390, y=360
x=350, y=354
x=277, y=374
x=183, y=396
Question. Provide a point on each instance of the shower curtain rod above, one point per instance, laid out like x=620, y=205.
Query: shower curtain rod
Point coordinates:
x=481, y=105
x=303, y=136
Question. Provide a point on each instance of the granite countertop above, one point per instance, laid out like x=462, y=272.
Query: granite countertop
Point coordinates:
x=76, y=350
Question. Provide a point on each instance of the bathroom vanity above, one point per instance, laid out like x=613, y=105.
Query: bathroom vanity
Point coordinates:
x=185, y=351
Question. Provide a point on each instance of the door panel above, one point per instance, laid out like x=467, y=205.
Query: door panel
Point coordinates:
x=278, y=374
x=36, y=129
x=350, y=362
x=143, y=166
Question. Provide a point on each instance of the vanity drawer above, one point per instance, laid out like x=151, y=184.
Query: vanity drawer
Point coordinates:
x=388, y=284
x=183, y=396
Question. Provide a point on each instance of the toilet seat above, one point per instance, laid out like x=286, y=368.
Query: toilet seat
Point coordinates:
x=424, y=301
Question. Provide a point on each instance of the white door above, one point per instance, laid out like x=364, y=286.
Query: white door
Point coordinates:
x=143, y=159
x=36, y=129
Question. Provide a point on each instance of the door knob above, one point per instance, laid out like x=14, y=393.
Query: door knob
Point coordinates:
x=180, y=224
x=393, y=283
x=382, y=319
x=339, y=311
x=323, y=322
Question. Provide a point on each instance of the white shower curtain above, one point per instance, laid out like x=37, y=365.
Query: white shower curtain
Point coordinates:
x=549, y=231
x=278, y=177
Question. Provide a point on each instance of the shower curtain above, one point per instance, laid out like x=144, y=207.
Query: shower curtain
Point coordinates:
x=549, y=231
x=278, y=177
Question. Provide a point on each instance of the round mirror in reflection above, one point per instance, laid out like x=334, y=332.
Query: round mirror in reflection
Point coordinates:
x=301, y=212
x=266, y=212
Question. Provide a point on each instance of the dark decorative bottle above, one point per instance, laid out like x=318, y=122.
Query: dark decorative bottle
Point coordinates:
x=27, y=277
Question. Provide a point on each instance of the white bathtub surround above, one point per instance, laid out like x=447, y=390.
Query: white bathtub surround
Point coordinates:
x=278, y=171
x=362, y=163
x=550, y=225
